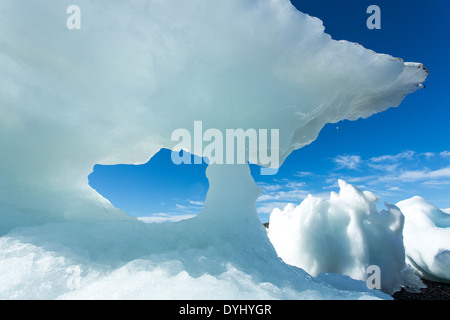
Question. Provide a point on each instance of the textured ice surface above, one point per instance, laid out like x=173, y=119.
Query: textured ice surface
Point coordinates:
x=427, y=238
x=223, y=254
x=114, y=91
x=345, y=234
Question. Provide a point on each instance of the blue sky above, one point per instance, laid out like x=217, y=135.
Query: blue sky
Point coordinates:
x=396, y=154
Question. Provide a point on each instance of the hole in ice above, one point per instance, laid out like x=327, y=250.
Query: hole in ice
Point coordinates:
x=156, y=191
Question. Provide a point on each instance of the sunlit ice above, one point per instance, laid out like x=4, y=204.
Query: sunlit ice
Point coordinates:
x=118, y=82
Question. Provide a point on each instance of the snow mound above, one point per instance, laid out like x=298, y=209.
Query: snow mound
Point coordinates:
x=427, y=238
x=345, y=234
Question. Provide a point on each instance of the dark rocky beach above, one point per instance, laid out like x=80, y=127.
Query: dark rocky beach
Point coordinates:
x=433, y=291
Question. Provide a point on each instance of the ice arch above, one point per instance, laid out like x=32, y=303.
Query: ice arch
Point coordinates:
x=114, y=91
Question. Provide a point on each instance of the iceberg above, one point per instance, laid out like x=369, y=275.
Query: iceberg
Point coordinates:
x=427, y=238
x=113, y=91
x=346, y=234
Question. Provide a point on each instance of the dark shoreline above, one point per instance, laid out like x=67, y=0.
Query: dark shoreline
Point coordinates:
x=433, y=291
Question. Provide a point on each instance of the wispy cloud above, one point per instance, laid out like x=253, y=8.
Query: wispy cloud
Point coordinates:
x=386, y=174
x=165, y=217
x=302, y=174
x=393, y=158
x=348, y=161
x=284, y=195
x=445, y=154
x=187, y=207
x=393, y=176
x=279, y=194
x=196, y=203
x=426, y=174
x=267, y=208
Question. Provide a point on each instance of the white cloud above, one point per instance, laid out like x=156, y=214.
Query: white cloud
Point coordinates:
x=190, y=207
x=428, y=154
x=425, y=174
x=280, y=194
x=391, y=162
x=295, y=184
x=348, y=161
x=266, y=187
x=390, y=167
x=267, y=208
x=302, y=174
x=165, y=217
x=196, y=203
x=393, y=158
x=392, y=175
x=437, y=184
x=290, y=195
x=405, y=155
x=399, y=181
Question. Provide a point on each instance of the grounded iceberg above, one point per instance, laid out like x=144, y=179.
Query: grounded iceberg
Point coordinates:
x=345, y=234
x=427, y=238
x=114, y=91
